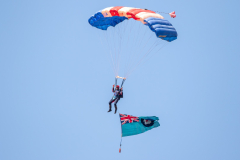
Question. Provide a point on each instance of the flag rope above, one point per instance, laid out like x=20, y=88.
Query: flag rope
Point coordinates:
x=121, y=135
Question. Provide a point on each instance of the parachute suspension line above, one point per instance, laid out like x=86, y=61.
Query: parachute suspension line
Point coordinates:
x=165, y=44
x=128, y=33
x=145, y=43
x=114, y=38
x=113, y=51
x=146, y=29
x=122, y=40
x=134, y=39
x=134, y=57
x=110, y=46
x=106, y=38
x=123, y=33
x=120, y=45
x=130, y=30
x=115, y=81
x=111, y=64
x=146, y=54
x=114, y=48
x=172, y=14
x=140, y=48
x=141, y=51
x=118, y=48
x=126, y=24
x=161, y=12
x=117, y=44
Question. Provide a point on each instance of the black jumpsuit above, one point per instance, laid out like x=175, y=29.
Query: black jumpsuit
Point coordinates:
x=116, y=96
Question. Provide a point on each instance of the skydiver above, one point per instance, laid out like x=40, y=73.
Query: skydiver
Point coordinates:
x=116, y=97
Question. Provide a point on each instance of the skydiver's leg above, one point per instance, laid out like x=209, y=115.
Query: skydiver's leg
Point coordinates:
x=110, y=104
x=115, y=108
x=115, y=105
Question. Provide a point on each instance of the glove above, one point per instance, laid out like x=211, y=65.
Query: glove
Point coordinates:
x=113, y=86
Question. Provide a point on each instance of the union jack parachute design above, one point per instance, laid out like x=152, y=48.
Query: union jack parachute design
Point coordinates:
x=112, y=16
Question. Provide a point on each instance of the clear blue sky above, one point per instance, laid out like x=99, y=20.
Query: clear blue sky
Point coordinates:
x=56, y=83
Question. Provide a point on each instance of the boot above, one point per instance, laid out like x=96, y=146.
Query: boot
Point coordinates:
x=110, y=108
x=115, y=109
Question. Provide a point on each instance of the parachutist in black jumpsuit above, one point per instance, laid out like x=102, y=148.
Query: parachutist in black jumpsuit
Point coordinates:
x=116, y=97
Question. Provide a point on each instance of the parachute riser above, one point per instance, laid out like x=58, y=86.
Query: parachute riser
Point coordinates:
x=123, y=80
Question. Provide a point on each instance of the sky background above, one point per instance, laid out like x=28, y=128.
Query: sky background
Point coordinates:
x=56, y=82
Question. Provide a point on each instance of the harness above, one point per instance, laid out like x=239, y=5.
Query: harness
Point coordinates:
x=123, y=80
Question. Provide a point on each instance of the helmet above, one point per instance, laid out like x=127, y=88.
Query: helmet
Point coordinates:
x=117, y=86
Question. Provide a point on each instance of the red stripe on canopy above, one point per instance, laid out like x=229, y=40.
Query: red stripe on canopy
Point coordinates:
x=132, y=13
x=114, y=11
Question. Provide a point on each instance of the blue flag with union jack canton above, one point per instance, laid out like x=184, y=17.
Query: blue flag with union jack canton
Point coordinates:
x=132, y=125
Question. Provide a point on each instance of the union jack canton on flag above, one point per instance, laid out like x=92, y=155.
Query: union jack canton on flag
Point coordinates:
x=128, y=119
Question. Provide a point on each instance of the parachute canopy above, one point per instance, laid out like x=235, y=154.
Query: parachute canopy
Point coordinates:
x=112, y=16
x=125, y=32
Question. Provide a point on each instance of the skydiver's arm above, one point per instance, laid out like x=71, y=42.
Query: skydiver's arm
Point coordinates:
x=113, y=90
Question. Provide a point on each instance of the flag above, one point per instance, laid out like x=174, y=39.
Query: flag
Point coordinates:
x=132, y=125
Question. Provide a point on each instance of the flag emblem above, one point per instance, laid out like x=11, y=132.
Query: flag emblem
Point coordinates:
x=147, y=122
x=128, y=119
